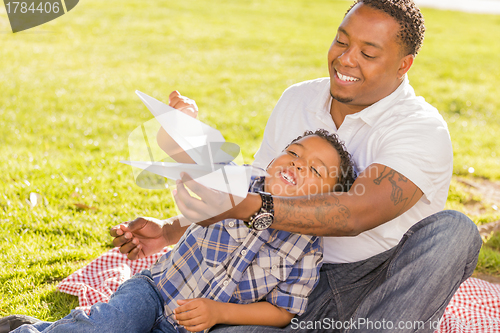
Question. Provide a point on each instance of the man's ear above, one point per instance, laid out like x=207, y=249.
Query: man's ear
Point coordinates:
x=405, y=65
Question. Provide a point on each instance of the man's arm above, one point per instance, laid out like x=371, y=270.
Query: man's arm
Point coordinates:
x=202, y=313
x=378, y=195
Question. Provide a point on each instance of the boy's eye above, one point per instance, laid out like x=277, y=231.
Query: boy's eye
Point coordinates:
x=291, y=152
x=315, y=171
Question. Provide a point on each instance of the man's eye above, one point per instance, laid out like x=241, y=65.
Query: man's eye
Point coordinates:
x=367, y=56
x=340, y=43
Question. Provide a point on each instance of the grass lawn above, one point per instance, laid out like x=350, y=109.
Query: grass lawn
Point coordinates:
x=67, y=106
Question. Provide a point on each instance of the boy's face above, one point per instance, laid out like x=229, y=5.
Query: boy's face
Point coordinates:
x=309, y=166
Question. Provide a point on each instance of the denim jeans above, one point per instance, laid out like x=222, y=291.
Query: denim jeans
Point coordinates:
x=405, y=289
x=137, y=306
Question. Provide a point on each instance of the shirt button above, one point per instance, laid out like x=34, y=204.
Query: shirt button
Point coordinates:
x=225, y=283
x=274, y=267
x=231, y=224
x=244, y=252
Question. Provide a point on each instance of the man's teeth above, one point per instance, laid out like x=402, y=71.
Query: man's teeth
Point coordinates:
x=346, y=78
x=288, y=178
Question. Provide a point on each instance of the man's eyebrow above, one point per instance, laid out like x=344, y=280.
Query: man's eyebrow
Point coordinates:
x=375, y=45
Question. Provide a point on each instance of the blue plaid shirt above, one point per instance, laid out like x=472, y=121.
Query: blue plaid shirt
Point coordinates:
x=228, y=262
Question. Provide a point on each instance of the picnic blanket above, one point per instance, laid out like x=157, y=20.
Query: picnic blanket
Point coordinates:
x=98, y=280
x=475, y=307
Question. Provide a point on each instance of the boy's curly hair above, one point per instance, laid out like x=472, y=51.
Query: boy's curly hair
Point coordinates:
x=347, y=175
x=409, y=17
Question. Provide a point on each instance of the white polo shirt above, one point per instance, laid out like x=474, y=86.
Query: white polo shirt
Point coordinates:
x=401, y=131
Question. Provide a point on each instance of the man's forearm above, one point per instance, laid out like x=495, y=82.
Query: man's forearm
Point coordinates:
x=319, y=215
x=378, y=195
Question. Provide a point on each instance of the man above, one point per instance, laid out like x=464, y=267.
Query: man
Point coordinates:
x=392, y=259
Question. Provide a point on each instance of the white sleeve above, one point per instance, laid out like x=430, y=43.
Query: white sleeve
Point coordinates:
x=419, y=150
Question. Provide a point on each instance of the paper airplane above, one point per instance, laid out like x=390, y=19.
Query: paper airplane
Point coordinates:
x=175, y=136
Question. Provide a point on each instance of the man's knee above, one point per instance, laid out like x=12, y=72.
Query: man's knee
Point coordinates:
x=448, y=236
x=459, y=239
x=461, y=228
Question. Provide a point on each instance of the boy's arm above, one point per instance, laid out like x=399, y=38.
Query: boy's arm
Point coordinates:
x=201, y=313
x=145, y=236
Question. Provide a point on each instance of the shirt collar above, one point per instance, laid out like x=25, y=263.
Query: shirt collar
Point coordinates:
x=370, y=114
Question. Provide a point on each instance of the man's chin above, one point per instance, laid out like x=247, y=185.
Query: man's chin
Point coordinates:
x=341, y=99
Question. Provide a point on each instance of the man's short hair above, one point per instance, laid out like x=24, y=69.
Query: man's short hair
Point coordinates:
x=409, y=17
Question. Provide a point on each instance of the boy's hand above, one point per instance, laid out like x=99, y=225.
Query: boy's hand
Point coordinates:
x=139, y=238
x=198, y=314
x=182, y=103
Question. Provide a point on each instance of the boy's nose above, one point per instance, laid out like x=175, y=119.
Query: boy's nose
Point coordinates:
x=298, y=163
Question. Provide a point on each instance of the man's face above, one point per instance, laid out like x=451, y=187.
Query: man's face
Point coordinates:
x=308, y=166
x=365, y=58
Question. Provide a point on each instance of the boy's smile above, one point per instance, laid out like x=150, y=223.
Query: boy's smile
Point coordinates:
x=308, y=166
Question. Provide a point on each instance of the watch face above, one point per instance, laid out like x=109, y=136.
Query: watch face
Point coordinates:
x=263, y=221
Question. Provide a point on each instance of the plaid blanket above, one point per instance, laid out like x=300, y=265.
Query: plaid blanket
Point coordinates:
x=475, y=307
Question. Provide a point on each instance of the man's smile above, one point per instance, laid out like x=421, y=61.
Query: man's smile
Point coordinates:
x=345, y=78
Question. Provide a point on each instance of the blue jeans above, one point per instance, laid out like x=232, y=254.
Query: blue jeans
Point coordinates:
x=137, y=306
x=405, y=289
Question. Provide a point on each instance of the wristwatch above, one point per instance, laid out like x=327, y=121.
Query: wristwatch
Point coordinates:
x=265, y=216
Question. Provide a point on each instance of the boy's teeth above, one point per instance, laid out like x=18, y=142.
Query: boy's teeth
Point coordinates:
x=346, y=78
x=288, y=178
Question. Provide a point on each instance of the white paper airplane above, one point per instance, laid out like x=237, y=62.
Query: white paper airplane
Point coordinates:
x=203, y=144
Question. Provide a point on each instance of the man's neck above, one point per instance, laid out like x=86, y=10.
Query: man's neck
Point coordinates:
x=339, y=111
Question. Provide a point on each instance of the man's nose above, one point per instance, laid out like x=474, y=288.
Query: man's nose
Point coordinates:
x=347, y=59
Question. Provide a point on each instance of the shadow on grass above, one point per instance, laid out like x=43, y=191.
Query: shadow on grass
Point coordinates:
x=58, y=304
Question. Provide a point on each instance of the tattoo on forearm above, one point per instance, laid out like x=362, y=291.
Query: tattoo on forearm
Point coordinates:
x=318, y=215
x=395, y=178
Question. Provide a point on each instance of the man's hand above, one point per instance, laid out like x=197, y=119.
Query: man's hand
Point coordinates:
x=139, y=238
x=182, y=103
x=213, y=206
x=198, y=314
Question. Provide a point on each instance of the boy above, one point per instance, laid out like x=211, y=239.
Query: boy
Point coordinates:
x=228, y=273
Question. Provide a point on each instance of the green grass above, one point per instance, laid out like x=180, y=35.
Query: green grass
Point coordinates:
x=67, y=106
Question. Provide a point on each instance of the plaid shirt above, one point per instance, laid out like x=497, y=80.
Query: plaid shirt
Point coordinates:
x=228, y=262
